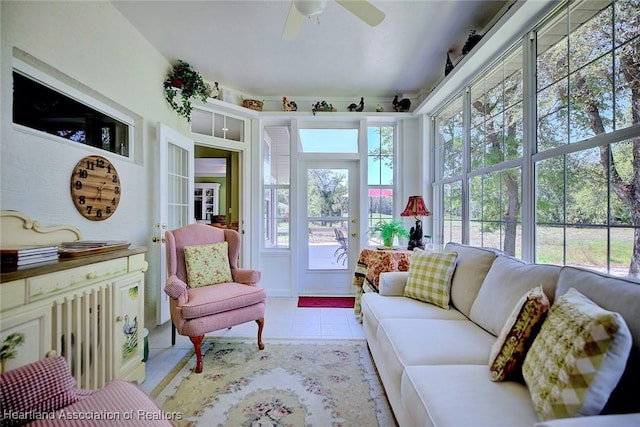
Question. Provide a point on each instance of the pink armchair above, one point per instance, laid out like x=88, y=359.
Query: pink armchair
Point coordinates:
x=196, y=311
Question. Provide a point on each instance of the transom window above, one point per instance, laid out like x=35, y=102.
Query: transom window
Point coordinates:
x=40, y=107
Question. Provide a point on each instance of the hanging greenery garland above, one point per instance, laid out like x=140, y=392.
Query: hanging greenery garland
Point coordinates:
x=184, y=79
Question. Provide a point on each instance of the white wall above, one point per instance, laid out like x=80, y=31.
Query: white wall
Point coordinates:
x=91, y=43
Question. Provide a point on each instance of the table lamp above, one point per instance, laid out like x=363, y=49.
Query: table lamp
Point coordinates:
x=415, y=208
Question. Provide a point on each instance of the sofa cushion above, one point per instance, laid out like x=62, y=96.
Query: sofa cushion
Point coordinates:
x=207, y=264
x=463, y=395
x=508, y=352
x=472, y=266
x=506, y=282
x=430, y=277
x=577, y=358
x=409, y=342
x=37, y=388
x=208, y=300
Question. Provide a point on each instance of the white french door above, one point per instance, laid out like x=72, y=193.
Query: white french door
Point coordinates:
x=328, y=227
x=175, y=199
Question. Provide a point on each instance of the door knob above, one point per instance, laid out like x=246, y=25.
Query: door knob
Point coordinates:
x=354, y=234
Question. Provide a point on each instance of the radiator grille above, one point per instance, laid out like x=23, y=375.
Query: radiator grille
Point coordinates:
x=82, y=333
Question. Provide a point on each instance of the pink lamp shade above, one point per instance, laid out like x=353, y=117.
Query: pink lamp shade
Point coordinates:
x=415, y=207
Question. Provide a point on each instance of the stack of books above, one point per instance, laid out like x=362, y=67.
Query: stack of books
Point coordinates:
x=20, y=256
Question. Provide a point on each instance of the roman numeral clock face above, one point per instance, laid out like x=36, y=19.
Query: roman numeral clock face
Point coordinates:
x=95, y=188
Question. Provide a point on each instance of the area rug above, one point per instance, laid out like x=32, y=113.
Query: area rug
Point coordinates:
x=293, y=383
x=326, y=302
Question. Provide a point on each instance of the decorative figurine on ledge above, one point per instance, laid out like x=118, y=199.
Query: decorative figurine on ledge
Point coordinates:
x=401, y=106
x=448, y=66
x=379, y=108
x=354, y=107
x=289, y=105
x=215, y=92
x=323, y=106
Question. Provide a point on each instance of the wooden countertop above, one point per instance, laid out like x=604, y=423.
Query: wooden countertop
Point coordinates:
x=67, y=263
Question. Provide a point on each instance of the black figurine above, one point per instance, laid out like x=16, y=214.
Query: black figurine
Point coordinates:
x=449, y=66
x=415, y=237
x=354, y=107
x=402, y=105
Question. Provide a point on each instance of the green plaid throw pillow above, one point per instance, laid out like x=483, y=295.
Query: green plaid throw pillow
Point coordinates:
x=577, y=358
x=430, y=276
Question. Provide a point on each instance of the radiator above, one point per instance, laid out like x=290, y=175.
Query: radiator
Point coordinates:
x=82, y=332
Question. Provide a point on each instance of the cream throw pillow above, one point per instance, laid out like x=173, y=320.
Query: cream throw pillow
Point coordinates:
x=207, y=264
x=429, y=277
x=577, y=359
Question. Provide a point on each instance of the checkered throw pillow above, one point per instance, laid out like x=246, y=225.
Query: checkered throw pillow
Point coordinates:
x=37, y=388
x=577, y=358
x=430, y=276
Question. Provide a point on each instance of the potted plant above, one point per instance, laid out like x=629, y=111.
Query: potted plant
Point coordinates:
x=190, y=84
x=388, y=230
x=8, y=348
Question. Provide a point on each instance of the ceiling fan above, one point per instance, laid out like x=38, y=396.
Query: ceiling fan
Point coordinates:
x=301, y=9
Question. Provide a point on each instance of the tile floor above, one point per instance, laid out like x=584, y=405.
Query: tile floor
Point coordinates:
x=283, y=320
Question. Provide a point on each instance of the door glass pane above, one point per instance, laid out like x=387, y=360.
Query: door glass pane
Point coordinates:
x=178, y=181
x=327, y=218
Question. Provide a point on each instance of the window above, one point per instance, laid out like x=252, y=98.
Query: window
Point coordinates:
x=276, y=161
x=45, y=109
x=496, y=142
x=380, y=161
x=448, y=154
x=578, y=164
x=585, y=207
x=328, y=140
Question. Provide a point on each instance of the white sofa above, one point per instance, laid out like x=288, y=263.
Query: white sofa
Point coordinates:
x=433, y=362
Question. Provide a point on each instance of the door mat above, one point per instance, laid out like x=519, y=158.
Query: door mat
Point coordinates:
x=326, y=302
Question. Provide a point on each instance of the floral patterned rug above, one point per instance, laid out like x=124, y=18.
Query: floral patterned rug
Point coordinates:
x=297, y=383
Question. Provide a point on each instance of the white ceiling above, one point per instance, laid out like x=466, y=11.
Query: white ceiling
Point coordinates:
x=238, y=44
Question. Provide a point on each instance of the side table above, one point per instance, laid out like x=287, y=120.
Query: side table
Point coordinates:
x=373, y=261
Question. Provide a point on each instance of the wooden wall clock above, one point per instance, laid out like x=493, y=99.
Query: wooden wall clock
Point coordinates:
x=95, y=188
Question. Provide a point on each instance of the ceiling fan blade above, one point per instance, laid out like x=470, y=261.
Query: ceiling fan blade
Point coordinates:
x=363, y=10
x=293, y=24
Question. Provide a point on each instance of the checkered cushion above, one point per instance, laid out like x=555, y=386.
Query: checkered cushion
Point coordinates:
x=37, y=388
x=429, y=277
x=508, y=352
x=576, y=359
x=207, y=264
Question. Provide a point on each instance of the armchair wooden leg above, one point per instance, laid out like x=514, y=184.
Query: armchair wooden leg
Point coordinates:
x=173, y=334
x=197, y=341
x=260, y=323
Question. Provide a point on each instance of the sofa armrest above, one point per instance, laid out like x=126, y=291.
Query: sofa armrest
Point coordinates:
x=123, y=401
x=626, y=420
x=392, y=283
x=36, y=388
x=175, y=287
x=246, y=276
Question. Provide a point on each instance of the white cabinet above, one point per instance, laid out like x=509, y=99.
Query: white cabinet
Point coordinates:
x=207, y=202
x=128, y=306
x=89, y=310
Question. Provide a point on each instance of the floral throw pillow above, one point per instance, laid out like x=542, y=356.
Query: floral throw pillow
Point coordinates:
x=577, y=358
x=207, y=264
x=430, y=276
x=509, y=350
